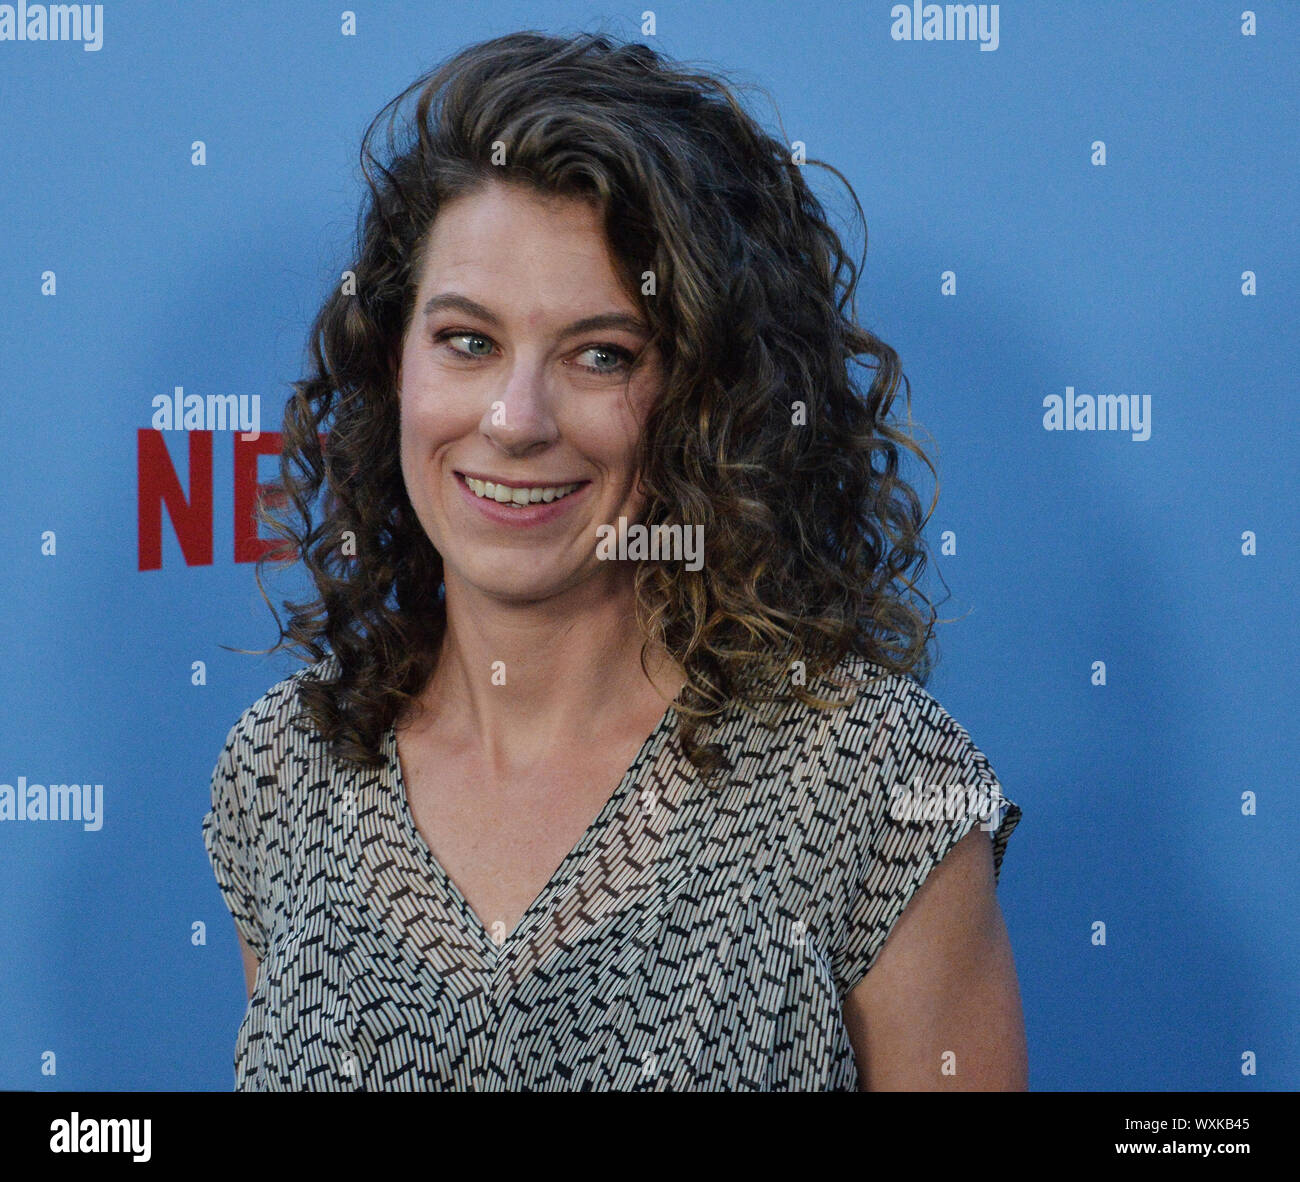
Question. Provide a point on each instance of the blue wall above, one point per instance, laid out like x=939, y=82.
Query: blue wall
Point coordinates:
x=1072, y=547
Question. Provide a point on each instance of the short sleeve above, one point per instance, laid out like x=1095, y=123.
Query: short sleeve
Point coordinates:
x=230, y=834
x=924, y=786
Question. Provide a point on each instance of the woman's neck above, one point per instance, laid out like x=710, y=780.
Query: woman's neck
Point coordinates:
x=523, y=681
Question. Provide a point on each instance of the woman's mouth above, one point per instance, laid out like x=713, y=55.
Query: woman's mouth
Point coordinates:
x=504, y=494
x=521, y=506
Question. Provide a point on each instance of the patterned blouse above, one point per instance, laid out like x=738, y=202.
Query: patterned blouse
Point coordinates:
x=694, y=939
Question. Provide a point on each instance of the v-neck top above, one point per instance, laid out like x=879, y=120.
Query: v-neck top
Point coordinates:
x=695, y=937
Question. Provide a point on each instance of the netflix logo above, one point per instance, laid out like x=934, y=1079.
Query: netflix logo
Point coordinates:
x=190, y=511
x=159, y=486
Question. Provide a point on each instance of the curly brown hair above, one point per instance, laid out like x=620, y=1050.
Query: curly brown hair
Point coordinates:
x=761, y=433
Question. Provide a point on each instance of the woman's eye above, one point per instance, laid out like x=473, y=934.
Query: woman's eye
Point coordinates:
x=607, y=358
x=474, y=340
x=596, y=359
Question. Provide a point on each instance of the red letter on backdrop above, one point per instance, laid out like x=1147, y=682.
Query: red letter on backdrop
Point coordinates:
x=249, y=546
x=158, y=484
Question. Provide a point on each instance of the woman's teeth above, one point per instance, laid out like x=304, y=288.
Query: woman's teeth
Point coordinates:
x=504, y=495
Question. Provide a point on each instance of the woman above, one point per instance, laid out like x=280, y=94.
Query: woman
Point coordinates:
x=551, y=812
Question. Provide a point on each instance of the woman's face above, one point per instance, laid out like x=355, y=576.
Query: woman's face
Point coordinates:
x=514, y=383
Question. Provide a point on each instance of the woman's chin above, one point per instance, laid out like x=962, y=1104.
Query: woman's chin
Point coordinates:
x=509, y=584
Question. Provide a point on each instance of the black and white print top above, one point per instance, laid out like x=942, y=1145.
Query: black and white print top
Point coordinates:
x=694, y=939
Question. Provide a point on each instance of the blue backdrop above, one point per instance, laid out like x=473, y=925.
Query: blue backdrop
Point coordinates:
x=1102, y=203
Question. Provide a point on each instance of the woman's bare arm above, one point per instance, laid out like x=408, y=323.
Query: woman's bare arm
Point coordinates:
x=940, y=1008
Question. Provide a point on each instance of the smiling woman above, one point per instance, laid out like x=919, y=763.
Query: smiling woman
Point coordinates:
x=541, y=813
x=528, y=371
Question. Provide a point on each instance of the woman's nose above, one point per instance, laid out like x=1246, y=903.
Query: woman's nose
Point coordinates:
x=520, y=414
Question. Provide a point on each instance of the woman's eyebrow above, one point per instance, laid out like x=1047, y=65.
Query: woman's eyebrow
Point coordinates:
x=454, y=302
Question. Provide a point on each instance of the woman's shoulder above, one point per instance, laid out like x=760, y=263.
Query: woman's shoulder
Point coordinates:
x=262, y=789
x=897, y=703
x=871, y=697
x=267, y=733
x=904, y=782
x=888, y=731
